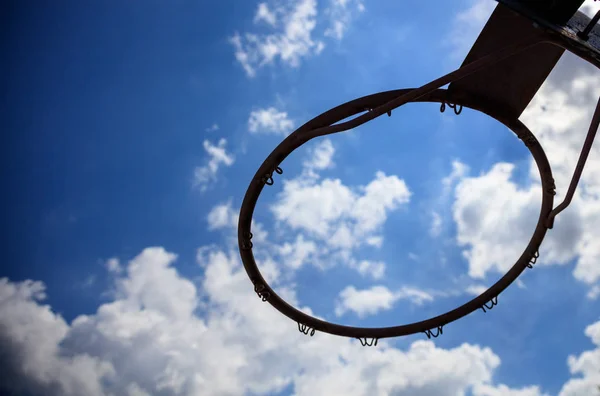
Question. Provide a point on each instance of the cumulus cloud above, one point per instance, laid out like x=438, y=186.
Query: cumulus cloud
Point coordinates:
x=459, y=170
x=217, y=157
x=32, y=359
x=291, y=40
x=333, y=211
x=222, y=216
x=586, y=367
x=335, y=217
x=503, y=390
x=373, y=269
x=298, y=30
x=321, y=156
x=297, y=253
x=495, y=217
x=377, y=298
x=155, y=337
x=270, y=121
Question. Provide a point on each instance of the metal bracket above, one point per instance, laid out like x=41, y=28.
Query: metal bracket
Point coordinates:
x=585, y=151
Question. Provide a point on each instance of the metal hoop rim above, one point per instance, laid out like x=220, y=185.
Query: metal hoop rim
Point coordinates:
x=348, y=109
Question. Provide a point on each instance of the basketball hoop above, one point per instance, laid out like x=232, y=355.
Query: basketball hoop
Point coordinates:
x=502, y=99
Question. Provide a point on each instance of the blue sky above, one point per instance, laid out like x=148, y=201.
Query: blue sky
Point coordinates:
x=130, y=136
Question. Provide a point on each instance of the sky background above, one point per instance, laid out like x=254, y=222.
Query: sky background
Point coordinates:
x=131, y=132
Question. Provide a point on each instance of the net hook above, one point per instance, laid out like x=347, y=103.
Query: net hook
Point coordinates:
x=493, y=302
x=368, y=342
x=304, y=329
x=429, y=333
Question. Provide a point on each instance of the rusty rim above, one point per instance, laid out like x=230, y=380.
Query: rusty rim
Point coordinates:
x=432, y=327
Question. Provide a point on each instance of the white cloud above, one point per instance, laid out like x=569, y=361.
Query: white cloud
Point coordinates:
x=311, y=206
x=476, y=290
x=341, y=13
x=375, y=241
x=113, y=265
x=436, y=224
x=503, y=390
x=291, y=41
x=377, y=298
x=332, y=211
x=495, y=217
x=295, y=254
x=155, y=338
x=263, y=13
x=381, y=196
x=218, y=156
x=364, y=302
x=294, y=32
x=416, y=296
x=459, y=170
x=222, y=216
x=560, y=114
x=586, y=366
x=32, y=360
x=270, y=121
x=321, y=156
x=373, y=269
x=466, y=27
x=594, y=292
x=338, y=218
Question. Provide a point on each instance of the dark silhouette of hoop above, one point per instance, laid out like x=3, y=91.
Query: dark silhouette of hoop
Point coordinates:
x=431, y=327
x=486, y=82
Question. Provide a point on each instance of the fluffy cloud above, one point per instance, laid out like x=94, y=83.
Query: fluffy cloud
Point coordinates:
x=222, y=216
x=374, y=269
x=291, y=41
x=330, y=210
x=164, y=335
x=495, y=217
x=377, y=298
x=295, y=254
x=321, y=156
x=586, y=366
x=294, y=34
x=270, y=121
x=263, y=13
x=32, y=359
x=218, y=156
x=334, y=219
x=503, y=390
